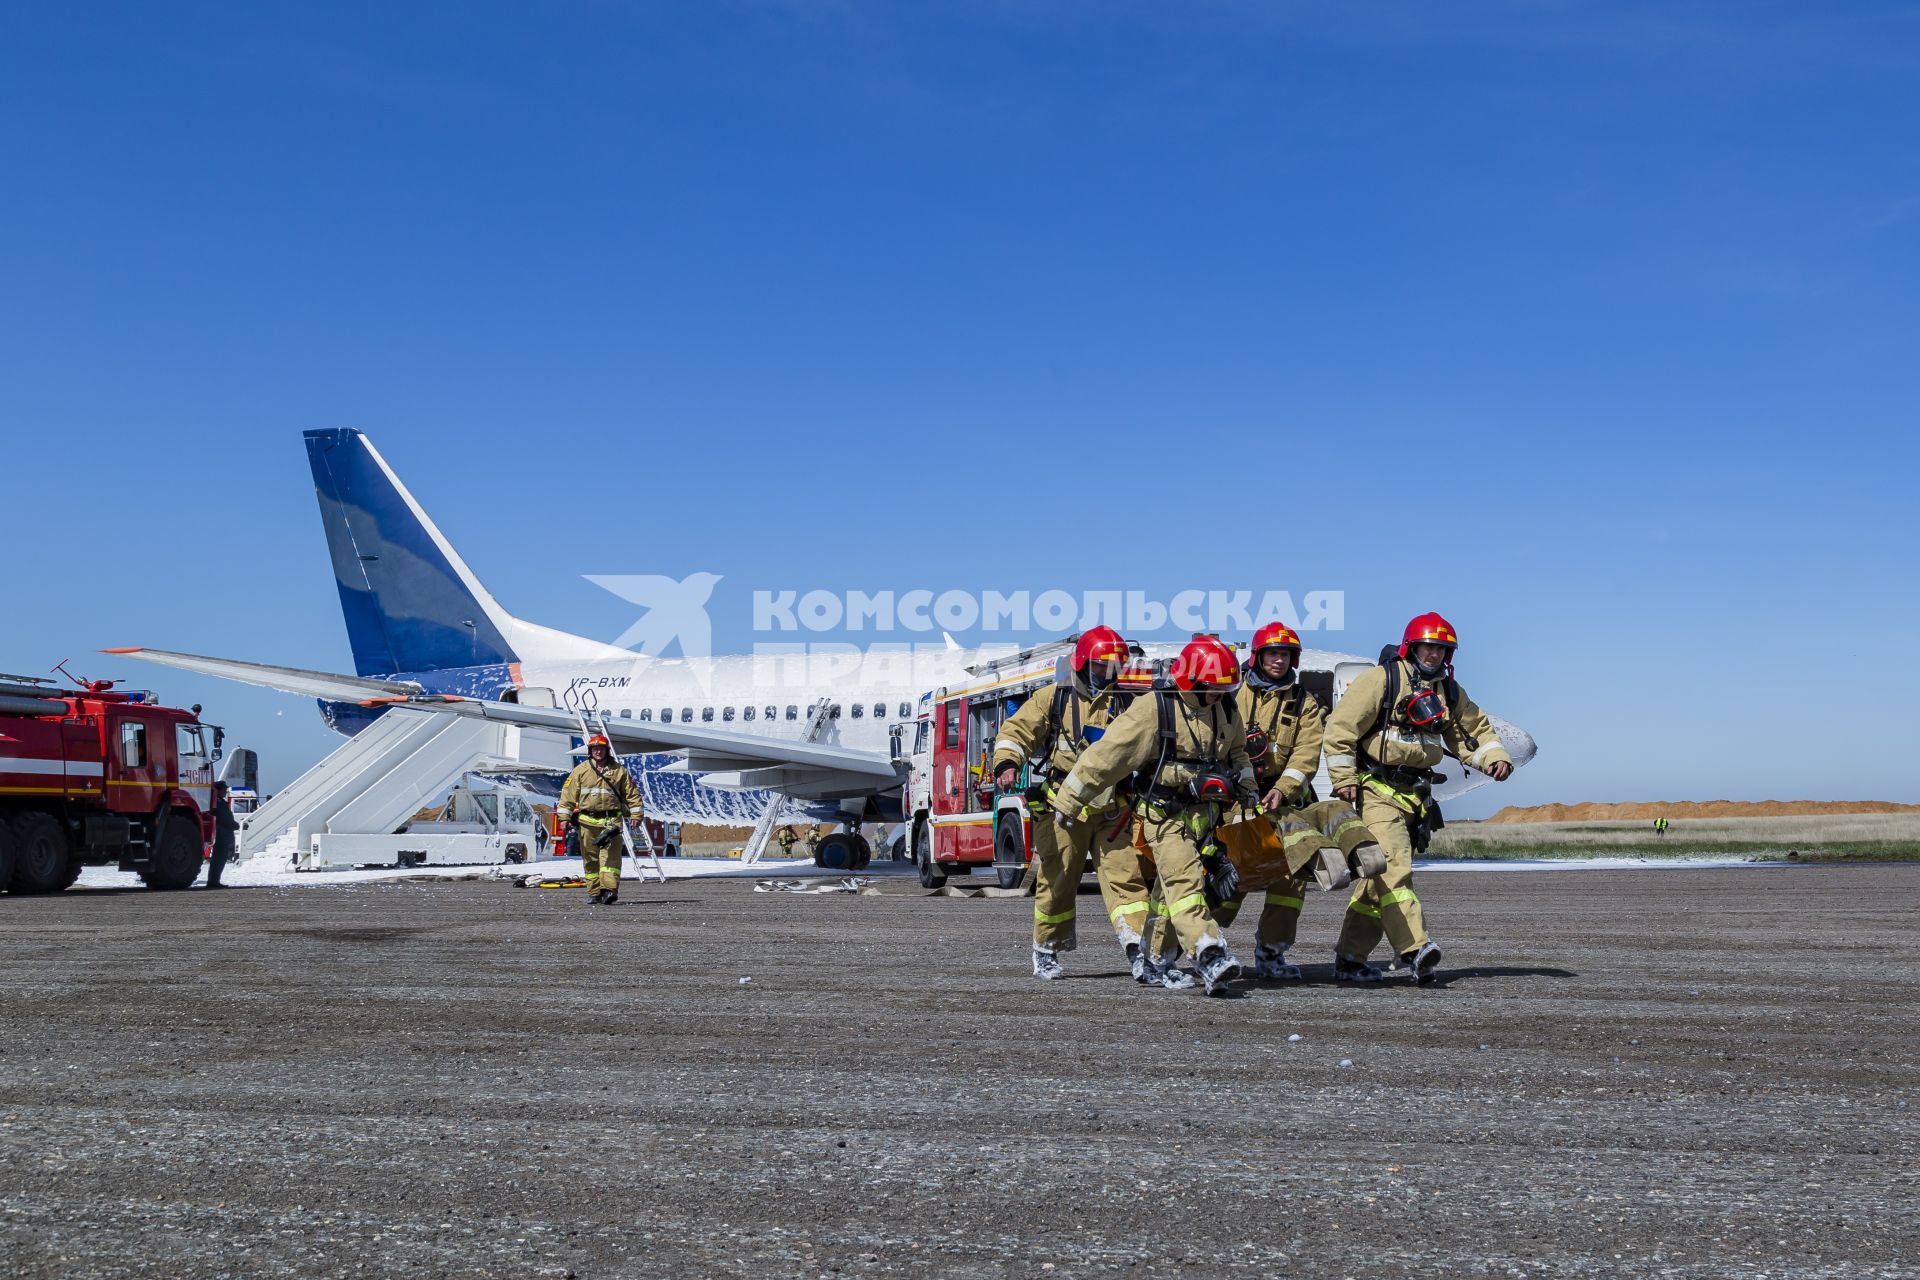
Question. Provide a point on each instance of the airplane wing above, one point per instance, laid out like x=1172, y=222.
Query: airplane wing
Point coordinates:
x=723, y=759
x=311, y=684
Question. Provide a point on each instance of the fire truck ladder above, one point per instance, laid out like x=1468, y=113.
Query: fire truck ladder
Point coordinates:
x=592, y=722
x=763, y=829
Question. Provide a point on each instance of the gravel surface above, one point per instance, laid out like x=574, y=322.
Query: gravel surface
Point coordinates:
x=1703, y=1073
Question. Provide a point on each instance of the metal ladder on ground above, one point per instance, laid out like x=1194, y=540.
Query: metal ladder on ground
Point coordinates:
x=592, y=722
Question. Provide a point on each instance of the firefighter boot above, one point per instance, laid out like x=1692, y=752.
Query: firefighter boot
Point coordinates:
x=1330, y=870
x=1143, y=968
x=1347, y=969
x=609, y=896
x=1173, y=977
x=1217, y=968
x=1423, y=962
x=1270, y=962
x=1164, y=971
x=1046, y=963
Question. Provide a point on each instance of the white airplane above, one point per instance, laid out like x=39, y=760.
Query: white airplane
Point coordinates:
x=713, y=740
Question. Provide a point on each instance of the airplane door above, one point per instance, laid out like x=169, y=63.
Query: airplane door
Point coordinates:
x=1345, y=673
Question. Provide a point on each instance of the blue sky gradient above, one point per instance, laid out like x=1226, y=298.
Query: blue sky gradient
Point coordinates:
x=1590, y=325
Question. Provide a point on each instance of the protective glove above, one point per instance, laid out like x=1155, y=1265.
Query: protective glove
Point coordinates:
x=1222, y=877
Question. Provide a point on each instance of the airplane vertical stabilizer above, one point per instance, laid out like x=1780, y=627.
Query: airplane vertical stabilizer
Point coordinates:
x=411, y=603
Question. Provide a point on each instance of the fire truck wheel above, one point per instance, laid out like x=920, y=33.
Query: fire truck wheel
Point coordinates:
x=39, y=854
x=177, y=861
x=1009, y=854
x=931, y=877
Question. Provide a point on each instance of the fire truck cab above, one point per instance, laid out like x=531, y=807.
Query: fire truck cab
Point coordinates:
x=103, y=777
x=958, y=819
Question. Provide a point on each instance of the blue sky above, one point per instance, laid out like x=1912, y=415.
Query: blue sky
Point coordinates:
x=1592, y=326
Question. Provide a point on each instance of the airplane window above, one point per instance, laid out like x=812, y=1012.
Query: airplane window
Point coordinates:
x=666, y=715
x=686, y=715
x=747, y=714
x=727, y=714
x=793, y=712
x=834, y=712
x=706, y=713
x=879, y=711
x=626, y=713
x=859, y=708
x=646, y=713
x=770, y=713
x=906, y=711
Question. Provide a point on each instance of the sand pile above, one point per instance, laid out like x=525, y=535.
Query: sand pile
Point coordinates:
x=1631, y=811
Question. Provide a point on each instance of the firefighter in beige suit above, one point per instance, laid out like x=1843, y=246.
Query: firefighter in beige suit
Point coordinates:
x=1285, y=725
x=597, y=796
x=1185, y=756
x=1052, y=728
x=1392, y=726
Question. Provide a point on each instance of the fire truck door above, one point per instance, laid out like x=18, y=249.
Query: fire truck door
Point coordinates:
x=949, y=783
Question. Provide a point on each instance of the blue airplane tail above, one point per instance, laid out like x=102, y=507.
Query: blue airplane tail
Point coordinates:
x=411, y=604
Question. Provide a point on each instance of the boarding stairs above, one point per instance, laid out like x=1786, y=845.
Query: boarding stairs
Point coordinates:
x=380, y=777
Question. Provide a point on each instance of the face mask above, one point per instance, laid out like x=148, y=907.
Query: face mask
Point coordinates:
x=1424, y=709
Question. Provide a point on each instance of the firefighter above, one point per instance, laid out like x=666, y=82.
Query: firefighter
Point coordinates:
x=1052, y=728
x=787, y=839
x=1393, y=726
x=1184, y=754
x=598, y=795
x=1285, y=724
x=224, y=825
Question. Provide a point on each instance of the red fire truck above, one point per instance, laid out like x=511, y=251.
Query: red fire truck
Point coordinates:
x=958, y=819
x=99, y=776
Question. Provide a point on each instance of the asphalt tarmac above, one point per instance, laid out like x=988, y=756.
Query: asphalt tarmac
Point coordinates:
x=1648, y=1073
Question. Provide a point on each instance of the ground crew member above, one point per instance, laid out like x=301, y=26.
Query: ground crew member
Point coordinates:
x=224, y=825
x=598, y=795
x=1285, y=724
x=787, y=838
x=1184, y=754
x=1394, y=724
x=1052, y=728
x=1659, y=826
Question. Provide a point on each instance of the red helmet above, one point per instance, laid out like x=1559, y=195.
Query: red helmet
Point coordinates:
x=1429, y=628
x=1099, y=644
x=1206, y=666
x=599, y=740
x=1275, y=635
